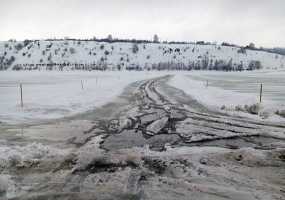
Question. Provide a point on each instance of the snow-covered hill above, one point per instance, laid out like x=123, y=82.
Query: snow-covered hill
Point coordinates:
x=88, y=55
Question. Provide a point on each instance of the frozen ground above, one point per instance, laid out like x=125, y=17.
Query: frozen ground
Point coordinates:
x=235, y=89
x=155, y=143
x=51, y=95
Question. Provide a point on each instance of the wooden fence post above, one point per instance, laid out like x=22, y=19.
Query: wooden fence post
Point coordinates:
x=82, y=85
x=260, y=93
x=21, y=92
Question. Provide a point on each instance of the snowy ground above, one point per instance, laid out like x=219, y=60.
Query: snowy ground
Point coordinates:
x=156, y=144
x=235, y=88
x=51, y=95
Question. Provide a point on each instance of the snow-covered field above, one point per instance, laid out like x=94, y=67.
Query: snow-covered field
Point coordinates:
x=233, y=89
x=51, y=95
x=46, y=160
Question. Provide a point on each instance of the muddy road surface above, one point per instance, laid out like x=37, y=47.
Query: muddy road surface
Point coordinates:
x=154, y=143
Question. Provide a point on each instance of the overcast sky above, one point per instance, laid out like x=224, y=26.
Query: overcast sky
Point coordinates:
x=235, y=21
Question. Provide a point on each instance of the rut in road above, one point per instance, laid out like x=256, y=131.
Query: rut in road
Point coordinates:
x=105, y=166
x=156, y=118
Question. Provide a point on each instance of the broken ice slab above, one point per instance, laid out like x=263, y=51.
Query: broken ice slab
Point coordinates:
x=157, y=126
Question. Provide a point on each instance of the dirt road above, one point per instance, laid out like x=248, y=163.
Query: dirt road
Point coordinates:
x=158, y=143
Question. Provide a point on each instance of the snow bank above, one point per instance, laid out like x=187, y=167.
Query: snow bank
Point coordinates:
x=51, y=95
x=11, y=156
x=218, y=97
x=210, y=96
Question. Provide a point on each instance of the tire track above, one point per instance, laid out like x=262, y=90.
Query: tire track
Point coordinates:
x=156, y=114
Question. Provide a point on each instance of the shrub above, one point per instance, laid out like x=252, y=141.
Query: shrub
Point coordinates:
x=72, y=50
x=19, y=46
x=135, y=48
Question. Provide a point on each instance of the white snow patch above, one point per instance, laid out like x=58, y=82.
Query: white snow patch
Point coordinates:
x=34, y=152
x=51, y=95
x=215, y=97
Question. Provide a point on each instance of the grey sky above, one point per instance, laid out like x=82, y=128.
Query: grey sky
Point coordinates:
x=236, y=21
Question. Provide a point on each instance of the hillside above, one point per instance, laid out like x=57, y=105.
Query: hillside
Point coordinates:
x=94, y=55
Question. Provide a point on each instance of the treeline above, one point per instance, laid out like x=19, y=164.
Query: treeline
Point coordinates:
x=280, y=51
x=204, y=64
x=218, y=65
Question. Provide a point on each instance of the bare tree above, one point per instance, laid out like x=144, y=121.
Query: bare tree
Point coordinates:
x=110, y=38
x=251, y=46
x=135, y=48
x=155, y=38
